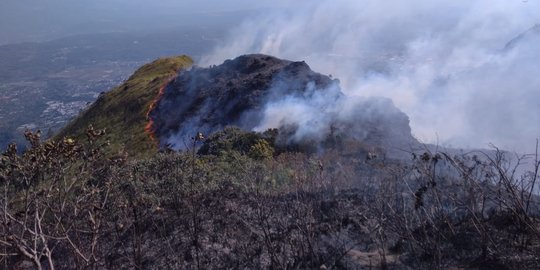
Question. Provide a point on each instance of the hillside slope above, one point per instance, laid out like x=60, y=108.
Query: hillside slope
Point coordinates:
x=258, y=92
x=122, y=112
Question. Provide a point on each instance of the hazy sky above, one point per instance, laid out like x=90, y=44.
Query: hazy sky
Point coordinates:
x=39, y=20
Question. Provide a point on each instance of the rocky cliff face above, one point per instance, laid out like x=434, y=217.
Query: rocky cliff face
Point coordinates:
x=256, y=92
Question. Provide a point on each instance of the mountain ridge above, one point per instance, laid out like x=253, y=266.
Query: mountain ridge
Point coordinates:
x=167, y=102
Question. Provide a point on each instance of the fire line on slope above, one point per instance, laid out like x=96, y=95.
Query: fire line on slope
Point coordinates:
x=149, y=128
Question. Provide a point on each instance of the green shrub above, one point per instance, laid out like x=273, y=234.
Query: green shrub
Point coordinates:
x=261, y=150
x=254, y=144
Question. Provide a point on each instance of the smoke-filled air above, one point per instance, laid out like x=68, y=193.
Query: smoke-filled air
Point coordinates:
x=465, y=72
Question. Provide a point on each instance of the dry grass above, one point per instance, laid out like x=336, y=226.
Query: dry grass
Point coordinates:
x=69, y=205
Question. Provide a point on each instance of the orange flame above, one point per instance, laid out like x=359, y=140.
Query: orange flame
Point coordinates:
x=149, y=128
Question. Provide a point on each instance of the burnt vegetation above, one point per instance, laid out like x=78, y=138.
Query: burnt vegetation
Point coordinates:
x=233, y=93
x=239, y=91
x=235, y=200
x=108, y=197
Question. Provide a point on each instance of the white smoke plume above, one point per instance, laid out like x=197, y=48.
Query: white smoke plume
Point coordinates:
x=447, y=64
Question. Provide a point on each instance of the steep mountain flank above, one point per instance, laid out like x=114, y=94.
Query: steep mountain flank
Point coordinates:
x=122, y=112
x=164, y=104
x=257, y=92
x=207, y=99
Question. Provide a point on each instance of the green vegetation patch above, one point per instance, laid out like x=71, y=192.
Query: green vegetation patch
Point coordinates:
x=255, y=145
x=122, y=112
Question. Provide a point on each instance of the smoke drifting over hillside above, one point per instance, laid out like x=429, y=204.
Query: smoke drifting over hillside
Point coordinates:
x=448, y=65
x=258, y=92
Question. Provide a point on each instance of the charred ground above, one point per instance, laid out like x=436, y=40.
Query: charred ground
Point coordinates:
x=238, y=91
x=208, y=99
x=241, y=199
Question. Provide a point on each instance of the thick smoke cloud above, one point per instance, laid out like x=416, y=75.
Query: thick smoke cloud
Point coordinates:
x=318, y=113
x=448, y=65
